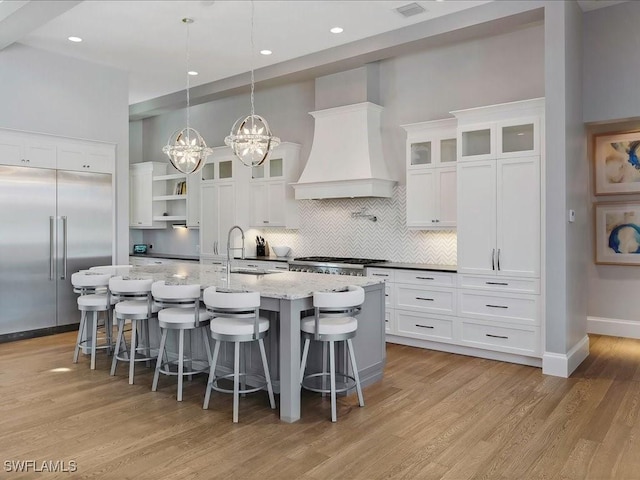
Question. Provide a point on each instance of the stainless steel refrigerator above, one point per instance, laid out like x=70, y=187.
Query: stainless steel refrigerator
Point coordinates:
x=52, y=224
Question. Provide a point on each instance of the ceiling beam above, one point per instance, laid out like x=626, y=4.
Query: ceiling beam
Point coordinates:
x=19, y=18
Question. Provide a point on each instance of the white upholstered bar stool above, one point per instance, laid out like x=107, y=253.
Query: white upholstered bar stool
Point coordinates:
x=333, y=321
x=180, y=311
x=137, y=307
x=236, y=318
x=87, y=283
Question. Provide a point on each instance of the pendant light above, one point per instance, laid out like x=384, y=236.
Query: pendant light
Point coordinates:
x=251, y=139
x=186, y=149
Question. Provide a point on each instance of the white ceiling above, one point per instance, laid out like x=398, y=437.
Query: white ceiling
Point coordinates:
x=147, y=38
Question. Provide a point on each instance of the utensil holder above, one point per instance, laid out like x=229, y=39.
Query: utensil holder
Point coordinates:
x=261, y=251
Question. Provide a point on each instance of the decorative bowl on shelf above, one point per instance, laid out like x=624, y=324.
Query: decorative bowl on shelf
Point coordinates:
x=281, y=250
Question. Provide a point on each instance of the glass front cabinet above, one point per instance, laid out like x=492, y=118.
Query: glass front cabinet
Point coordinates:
x=431, y=174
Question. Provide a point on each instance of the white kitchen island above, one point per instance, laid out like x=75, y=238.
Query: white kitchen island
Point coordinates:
x=287, y=294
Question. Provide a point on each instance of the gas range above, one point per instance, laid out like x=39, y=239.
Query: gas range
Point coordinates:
x=332, y=265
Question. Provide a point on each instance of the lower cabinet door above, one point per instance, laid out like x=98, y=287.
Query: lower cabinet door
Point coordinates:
x=425, y=327
x=504, y=338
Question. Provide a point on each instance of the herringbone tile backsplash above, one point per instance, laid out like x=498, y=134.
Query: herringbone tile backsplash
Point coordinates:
x=328, y=228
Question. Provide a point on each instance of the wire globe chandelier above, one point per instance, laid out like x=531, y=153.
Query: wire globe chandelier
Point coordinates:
x=186, y=149
x=251, y=139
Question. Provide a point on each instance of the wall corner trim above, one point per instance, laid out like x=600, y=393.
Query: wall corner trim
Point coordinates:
x=563, y=365
x=614, y=327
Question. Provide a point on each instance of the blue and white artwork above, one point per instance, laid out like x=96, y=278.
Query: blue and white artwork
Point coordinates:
x=618, y=233
x=617, y=163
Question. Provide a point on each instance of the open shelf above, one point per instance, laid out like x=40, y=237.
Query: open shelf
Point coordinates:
x=172, y=176
x=170, y=218
x=169, y=197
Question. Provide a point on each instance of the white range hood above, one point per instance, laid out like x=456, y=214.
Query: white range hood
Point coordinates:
x=346, y=156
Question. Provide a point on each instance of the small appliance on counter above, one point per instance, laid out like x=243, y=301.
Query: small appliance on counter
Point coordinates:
x=262, y=247
x=140, y=248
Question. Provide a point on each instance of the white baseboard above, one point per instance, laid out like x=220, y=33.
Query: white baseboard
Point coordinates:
x=563, y=365
x=614, y=327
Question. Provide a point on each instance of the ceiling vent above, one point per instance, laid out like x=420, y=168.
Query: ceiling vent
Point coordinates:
x=410, y=9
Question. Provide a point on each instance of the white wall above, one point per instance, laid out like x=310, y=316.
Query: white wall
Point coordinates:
x=53, y=94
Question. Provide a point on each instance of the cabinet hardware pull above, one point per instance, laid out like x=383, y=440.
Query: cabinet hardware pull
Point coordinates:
x=265, y=221
x=496, y=306
x=380, y=274
x=497, y=283
x=425, y=278
x=498, y=260
x=497, y=336
x=427, y=299
x=386, y=294
x=424, y=326
x=493, y=259
x=254, y=266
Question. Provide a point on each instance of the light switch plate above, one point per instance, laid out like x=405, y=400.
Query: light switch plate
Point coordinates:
x=572, y=216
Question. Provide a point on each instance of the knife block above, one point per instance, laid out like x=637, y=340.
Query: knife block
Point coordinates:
x=261, y=251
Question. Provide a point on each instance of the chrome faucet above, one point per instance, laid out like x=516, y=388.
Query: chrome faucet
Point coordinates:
x=229, y=249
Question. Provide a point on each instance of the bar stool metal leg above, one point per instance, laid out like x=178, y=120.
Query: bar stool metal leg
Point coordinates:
x=263, y=354
x=180, y=363
x=236, y=380
x=156, y=375
x=94, y=340
x=119, y=338
x=332, y=370
x=212, y=375
x=132, y=355
x=352, y=356
x=83, y=317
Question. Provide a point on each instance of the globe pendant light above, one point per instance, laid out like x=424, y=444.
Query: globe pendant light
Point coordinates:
x=186, y=149
x=251, y=139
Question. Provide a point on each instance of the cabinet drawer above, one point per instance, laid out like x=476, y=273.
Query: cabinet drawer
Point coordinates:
x=502, y=337
x=388, y=296
x=433, y=300
x=422, y=326
x=382, y=273
x=425, y=277
x=389, y=326
x=502, y=284
x=523, y=309
x=218, y=261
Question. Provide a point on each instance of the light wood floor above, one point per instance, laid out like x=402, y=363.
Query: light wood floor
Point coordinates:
x=435, y=415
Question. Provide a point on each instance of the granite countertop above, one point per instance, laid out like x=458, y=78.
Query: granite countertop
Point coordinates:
x=266, y=259
x=170, y=256
x=280, y=284
x=416, y=266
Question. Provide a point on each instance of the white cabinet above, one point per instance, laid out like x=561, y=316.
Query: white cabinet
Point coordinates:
x=142, y=190
x=431, y=174
x=218, y=215
x=499, y=217
x=84, y=157
x=500, y=151
x=272, y=196
x=27, y=150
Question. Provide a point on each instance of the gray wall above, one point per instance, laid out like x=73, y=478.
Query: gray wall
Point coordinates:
x=611, y=63
x=611, y=72
x=47, y=93
x=565, y=180
x=416, y=87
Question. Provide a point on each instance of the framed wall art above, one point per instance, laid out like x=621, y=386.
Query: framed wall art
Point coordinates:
x=617, y=231
x=616, y=161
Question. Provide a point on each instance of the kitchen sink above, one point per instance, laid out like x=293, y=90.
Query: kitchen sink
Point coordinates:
x=253, y=271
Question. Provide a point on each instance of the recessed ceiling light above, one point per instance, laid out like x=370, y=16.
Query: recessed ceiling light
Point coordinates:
x=75, y=39
x=265, y=52
x=337, y=30
x=192, y=72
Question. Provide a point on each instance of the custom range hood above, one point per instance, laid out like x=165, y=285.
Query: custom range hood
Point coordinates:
x=346, y=156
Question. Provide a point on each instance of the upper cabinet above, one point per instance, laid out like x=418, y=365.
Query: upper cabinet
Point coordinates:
x=272, y=196
x=500, y=131
x=27, y=150
x=143, y=209
x=86, y=157
x=431, y=155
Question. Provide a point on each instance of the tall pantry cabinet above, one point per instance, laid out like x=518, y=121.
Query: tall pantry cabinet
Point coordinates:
x=499, y=225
